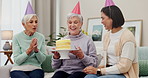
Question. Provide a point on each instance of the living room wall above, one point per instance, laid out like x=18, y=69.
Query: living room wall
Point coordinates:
x=132, y=10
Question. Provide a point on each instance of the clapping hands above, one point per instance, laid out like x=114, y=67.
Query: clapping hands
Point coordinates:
x=33, y=46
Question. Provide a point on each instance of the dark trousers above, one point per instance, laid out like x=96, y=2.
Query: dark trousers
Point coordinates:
x=62, y=74
x=38, y=73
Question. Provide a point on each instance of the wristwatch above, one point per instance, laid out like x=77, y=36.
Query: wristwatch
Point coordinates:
x=99, y=71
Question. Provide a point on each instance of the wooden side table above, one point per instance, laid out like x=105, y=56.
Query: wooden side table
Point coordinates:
x=8, y=54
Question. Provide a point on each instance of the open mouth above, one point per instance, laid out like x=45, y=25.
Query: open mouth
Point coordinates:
x=34, y=28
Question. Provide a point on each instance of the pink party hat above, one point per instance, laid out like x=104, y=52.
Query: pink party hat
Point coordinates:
x=109, y=3
x=29, y=9
x=76, y=10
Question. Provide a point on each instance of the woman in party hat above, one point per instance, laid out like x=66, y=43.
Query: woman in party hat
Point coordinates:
x=119, y=45
x=83, y=57
x=28, y=48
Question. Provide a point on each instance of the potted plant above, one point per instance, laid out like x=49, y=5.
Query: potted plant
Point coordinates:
x=52, y=39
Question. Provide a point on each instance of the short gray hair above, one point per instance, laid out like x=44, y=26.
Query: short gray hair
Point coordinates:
x=28, y=17
x=75, y=15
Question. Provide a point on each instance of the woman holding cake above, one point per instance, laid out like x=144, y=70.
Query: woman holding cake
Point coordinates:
x=83, y=57
x=28, y=49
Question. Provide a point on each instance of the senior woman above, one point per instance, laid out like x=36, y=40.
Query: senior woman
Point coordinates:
x=85, y=56
x=28, y=50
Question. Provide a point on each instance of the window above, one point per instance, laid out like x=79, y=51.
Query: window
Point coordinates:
x=12, y=12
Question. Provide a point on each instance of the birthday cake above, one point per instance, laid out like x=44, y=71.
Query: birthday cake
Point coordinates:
x=63, y=44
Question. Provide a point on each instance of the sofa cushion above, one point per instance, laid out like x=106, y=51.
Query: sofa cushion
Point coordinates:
x=46, y=65
x=143, y=67
x=142, y=53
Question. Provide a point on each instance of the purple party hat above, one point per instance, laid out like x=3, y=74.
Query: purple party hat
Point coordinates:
x=29, y=9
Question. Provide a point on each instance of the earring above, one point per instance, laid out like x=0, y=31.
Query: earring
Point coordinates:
x=80, y=29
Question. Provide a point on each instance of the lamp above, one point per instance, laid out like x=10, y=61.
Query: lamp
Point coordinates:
x=7, y=35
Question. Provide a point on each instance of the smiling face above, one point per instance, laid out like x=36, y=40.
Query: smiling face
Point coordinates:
x=31, y=25
x=106, y=21
x=74, y=25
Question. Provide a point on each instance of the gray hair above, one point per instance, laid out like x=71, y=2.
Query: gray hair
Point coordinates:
x=75, y=15
x=28, y=17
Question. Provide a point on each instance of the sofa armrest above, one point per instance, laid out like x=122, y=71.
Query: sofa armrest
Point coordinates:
x=5, y=71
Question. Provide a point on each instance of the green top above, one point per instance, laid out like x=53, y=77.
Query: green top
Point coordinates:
x=21, y=42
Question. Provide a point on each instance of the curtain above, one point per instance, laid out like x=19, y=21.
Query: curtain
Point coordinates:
x=11, y=14
x=43, y=10
x=0, y=18
x=0, y=23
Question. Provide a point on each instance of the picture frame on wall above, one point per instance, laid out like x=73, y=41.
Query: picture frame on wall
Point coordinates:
x=135, y=26
x=96, y=31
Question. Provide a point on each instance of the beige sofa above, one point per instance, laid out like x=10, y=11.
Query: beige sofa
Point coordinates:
x=46, y=66
x=143, y=65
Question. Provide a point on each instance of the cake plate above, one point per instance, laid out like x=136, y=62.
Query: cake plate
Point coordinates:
x=64, y=53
